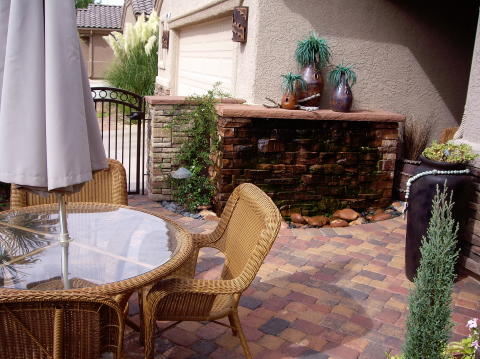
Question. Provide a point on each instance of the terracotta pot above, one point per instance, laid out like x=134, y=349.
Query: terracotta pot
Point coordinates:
x=420, y=199
x=313, y=85
x=342, y=97
x=404, y=169
x=289, y=101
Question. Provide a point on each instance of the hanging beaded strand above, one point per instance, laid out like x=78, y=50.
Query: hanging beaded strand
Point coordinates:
x=426, y=173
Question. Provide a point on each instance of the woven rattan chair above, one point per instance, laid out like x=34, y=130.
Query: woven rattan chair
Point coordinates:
x=48, y=325
x=248, y=227
x=107, y=186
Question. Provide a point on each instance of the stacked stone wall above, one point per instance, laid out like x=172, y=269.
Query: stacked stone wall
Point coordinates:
x=308, y=166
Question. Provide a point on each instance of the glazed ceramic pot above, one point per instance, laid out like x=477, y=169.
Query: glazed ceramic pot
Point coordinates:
x=313, y=85
x=342, y=97
x=289, y=101
x=420, y=199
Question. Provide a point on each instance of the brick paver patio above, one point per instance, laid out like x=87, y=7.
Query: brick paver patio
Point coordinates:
x=321, y=293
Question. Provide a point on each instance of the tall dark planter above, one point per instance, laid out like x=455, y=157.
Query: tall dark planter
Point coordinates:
x=420, y=199
x=342, y=96
x=313, y=85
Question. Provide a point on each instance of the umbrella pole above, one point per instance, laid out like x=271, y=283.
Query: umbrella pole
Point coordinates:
x=64, y=239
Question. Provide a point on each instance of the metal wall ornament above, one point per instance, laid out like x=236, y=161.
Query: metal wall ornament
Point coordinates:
x=240, y=24
x=165, y=39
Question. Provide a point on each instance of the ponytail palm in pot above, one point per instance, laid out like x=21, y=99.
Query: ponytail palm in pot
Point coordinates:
x=312, y=55
x=342, y=77
x=291, y=82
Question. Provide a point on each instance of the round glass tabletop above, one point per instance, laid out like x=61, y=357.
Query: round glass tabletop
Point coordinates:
x=108, y=244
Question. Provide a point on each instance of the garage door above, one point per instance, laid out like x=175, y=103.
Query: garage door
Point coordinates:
x=205, y=56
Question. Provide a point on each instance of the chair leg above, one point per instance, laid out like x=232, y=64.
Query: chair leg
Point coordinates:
x=232, y=325
x=149, y=332
x=141, y=317
x=241, y=335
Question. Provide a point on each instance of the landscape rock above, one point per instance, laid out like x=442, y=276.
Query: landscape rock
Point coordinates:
x=346, y=214
x=338, y=223
x=399, y=206
x=317, y=221
x=359, y=220
x=381, y=216
x=297, y=218
x=209, y=215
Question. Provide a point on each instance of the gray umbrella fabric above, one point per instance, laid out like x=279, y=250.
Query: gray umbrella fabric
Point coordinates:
x=49, y=134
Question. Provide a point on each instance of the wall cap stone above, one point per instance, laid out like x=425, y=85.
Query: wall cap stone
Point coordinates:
x=182, y=100
x=257, y=111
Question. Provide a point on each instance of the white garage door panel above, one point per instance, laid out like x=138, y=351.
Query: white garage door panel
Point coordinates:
x=205, y=56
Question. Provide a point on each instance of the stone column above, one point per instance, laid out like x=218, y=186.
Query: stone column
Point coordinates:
x=165, y=140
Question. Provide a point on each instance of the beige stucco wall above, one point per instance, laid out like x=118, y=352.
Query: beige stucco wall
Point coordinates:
x=97, y=54
x=409, y=59
x=471, y=117
x=128, y=13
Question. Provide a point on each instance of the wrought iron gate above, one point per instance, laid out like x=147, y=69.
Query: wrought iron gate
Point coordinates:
x=121, y=117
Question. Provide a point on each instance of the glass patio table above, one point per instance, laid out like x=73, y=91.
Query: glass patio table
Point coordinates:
x=114, y=250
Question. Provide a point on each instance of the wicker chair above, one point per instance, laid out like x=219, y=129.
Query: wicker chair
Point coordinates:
x=48, y=325
x=248, y=227
x=107, y=186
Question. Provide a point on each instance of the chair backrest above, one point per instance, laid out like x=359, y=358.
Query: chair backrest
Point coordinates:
x=107, y=186
x=46, y=325
x=251, y=227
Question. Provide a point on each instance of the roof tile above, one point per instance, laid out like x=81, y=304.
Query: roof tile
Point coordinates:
x=100, y=16
x=143, y=6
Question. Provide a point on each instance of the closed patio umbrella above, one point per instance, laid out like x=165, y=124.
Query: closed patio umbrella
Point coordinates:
x=49, y=135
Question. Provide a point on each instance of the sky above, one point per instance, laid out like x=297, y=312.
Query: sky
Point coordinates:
x=112, y=2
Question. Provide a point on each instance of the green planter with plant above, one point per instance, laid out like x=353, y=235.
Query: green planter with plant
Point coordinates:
x=312, y=55
x=342, y=77
x=440, y=164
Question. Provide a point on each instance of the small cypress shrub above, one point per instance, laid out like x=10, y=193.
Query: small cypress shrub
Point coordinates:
x=428, y=322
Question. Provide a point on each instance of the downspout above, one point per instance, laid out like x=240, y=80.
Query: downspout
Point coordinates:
x=90, y=55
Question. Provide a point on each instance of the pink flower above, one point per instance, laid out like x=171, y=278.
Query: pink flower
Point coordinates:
x=472, y=323
x=475, y=344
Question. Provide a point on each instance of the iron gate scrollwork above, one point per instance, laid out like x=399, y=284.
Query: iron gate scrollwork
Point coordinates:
x=121, y=117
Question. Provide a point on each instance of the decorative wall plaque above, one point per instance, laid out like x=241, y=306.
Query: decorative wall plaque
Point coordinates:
x=165, y=39
x=240, y=23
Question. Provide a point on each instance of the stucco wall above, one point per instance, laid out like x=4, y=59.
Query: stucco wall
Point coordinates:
x=409, y=59
x=101, y=55
x=471, y=117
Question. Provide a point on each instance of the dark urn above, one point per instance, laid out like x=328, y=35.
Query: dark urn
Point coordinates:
x=313, y=85
x=342, y=98
x=420, y=199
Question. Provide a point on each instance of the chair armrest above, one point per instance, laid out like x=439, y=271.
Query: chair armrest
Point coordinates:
x=192, y=286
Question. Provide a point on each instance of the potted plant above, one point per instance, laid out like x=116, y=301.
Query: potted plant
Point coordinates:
x=342, y=77
x=291, y=82
x=442, y=164
x=312, y=54
x=414, y=140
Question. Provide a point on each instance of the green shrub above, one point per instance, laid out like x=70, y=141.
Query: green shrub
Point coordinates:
x=449, y=152
x=428, y=322
x=135, y=65
x=195, y=154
